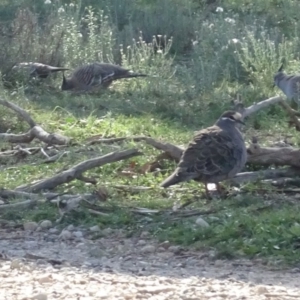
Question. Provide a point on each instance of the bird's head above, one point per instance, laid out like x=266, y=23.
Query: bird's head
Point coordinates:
x=231, y=117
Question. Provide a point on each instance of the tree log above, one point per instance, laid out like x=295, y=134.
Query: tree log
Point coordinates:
x=77, y=170
x=265, y=174
x=35, y=130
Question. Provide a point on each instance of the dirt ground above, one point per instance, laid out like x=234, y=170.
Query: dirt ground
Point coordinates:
x=71, y=265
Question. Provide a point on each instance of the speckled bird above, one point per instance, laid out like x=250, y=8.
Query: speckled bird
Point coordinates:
x=38, y=69
x=288, y=84
x=215, y=154
x=95, y=75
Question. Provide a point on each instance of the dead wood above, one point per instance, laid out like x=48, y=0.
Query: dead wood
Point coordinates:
x=265, y=174
x=292, y=114
x=279, y=156
x=13, y=194
x=77, y=170
x=35, y=130
x=21, y=112
x=19, y=205
x=172, y=151
x=238, y=106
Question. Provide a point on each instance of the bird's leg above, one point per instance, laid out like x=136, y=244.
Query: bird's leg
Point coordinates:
x=222, y=190
x=207, y=193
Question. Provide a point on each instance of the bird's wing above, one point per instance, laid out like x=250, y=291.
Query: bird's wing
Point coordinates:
x=211, y=153
x=295, y=86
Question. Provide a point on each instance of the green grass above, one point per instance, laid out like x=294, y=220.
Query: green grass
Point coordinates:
x=239, y=226
x=199, y=59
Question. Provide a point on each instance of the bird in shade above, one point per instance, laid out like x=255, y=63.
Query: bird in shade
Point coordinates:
x=215, y=154
x=96, y=75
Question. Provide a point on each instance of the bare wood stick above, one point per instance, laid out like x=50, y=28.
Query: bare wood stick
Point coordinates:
x=19, y=205
x=21, y=112
x=265, y=174
x=98, y=213
x=292, y=113
x=9, y=194
x=34, y=132
x=255, y=107
x=173, y=150
x=77, y=170
x=17, y=138
x=107, y=140
x=267, y=156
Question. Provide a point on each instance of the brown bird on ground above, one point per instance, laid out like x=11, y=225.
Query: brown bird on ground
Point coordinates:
x=38, y=69
x=95, y=75
x=215, y=154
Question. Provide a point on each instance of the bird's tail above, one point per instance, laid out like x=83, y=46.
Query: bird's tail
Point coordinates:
x=132, y=75
x=171, y=180
x=57, y=69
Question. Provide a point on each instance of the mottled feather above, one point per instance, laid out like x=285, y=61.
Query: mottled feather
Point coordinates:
x=96, y=75
x=288, y=84
x=216, y=153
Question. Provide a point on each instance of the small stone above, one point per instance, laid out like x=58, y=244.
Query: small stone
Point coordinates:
x=144, y=234
x=148, y=249
x=53, y=230
x=30, y=226
x=174, y=249
x=78, y=234
x=45, y=279
x=260, y=290
x=161, y=249
x=219, y=263
x=141, y=243
x=41, y=296
x=96, y=252
x=70, y=227
x=46, y=224
x=65, y=235
x=2, y=202
x=16, y=264
x=165, y=244
x=95, y=228
x=107, y=231
x=200, y=222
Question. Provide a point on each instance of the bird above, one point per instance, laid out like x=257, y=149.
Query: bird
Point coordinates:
x=289, y=85
x=95, y=75
x=215, y=154
x=38, y=69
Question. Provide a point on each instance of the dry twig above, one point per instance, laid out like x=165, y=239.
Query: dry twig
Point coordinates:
x=76, y=171
x=35, y=130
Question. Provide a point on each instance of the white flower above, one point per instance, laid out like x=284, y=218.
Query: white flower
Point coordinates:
x=61, y=10
x=229, y=20
x=219, y=9
x=47, y=2
x=71, y=4
x=235, y=41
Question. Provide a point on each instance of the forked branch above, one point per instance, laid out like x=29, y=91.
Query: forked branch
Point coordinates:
x=35, y=130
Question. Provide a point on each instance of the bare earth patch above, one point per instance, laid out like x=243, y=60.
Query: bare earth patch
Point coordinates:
x=50, y=265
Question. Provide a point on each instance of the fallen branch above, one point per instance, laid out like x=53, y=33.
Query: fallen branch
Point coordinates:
x=19, y=205
x=77, y=171
x=13, y=194
x=292, y=114
x=173, y=151
x=238, y=106
x=279, y=156
x=265, y=174
x=35, y=130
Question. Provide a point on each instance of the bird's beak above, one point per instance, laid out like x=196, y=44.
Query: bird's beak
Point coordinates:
x=241, y=122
